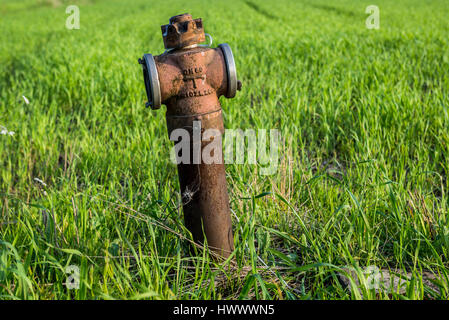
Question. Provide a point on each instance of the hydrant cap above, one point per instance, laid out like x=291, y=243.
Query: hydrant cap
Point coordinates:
x=182, y=31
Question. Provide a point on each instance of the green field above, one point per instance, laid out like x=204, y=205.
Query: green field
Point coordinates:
x=362, y=176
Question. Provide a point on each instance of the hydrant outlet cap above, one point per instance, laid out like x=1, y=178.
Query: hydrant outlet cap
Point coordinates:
x=231, y=71
x=151, y=78
x=182, y=31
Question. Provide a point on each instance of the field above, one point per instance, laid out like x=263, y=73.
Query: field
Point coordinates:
x=85, y=176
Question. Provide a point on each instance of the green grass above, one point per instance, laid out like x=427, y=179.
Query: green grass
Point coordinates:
x=363, y=172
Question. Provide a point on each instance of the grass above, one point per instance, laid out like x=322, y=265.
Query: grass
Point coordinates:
x=362, y=177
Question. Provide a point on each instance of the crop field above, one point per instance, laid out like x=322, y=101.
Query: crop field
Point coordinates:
x=86, y=180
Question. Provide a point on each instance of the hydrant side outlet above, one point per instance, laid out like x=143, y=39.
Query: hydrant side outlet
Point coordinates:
x=189, y=79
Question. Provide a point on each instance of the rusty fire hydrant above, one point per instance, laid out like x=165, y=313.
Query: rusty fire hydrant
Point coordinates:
x=189, y=78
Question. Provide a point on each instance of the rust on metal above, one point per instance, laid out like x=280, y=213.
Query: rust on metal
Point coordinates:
x=189, y=79
x=182, y=31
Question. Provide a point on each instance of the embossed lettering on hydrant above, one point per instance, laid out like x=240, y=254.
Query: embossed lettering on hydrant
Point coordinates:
x=194, y=74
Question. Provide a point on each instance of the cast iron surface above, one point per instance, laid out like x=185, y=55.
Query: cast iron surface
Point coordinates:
x=191, y=79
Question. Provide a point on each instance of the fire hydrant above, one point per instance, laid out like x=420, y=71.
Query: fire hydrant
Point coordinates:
x=189, y=78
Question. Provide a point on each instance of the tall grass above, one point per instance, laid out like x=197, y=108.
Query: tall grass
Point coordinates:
x=362, y=178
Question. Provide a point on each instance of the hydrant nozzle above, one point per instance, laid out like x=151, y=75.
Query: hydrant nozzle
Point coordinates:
x=189, y=79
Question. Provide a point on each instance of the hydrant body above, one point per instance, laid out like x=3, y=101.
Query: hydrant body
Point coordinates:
x=189, y=79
